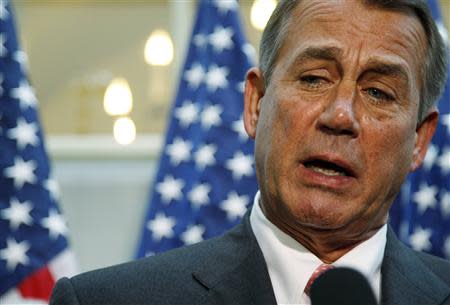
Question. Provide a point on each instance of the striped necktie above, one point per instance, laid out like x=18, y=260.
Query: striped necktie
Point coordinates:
x=319, y=270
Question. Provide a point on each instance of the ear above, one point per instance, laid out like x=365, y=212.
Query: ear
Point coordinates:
x=425, y=132
x=254, y=91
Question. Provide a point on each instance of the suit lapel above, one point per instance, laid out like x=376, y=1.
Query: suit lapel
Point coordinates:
x=406, y=279
x=248, y=284
x=241, y=277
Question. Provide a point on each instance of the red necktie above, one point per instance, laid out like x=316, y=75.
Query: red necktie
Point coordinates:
x=319, y=270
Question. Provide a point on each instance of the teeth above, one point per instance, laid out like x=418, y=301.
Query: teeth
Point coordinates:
x=326, y=171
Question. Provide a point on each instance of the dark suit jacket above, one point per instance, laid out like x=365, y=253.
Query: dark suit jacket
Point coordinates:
x=231, y=270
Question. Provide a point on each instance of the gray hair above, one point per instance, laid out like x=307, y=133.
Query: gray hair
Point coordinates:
x=434, y=68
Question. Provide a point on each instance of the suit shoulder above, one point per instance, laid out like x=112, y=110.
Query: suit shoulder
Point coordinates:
x=137, y=282
x=155, y=276
x=439, y=266
x=159, y=268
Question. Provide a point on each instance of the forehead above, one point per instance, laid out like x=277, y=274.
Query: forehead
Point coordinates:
x=351, y=26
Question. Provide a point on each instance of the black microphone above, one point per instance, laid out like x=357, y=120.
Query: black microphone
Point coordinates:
x=342, y=286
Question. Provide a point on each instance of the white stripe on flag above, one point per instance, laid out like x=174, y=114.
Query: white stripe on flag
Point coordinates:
x=64, y=264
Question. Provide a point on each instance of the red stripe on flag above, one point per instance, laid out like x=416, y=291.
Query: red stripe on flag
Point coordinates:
x=38, y=286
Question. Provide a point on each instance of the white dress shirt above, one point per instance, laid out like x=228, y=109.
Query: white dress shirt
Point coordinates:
x=291, y=265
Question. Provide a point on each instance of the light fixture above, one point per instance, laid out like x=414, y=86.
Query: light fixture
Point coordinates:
x=260, y=13
x=124, y=131
x=118, y=99
x=159, y=49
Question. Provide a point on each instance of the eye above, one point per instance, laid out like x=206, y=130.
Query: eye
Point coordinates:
x=312, y=80
x=379, y=95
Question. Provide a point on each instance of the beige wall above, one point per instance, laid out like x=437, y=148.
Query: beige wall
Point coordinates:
x=76, y=48
x=445, y=6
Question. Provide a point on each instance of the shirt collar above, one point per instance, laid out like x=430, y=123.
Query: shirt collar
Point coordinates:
x=290, y=264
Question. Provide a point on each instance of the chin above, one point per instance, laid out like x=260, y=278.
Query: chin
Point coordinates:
x=324, y=217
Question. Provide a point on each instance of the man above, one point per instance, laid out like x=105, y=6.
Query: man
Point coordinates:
x=342, y=108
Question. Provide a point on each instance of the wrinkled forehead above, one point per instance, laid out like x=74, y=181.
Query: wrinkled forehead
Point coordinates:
x=330, y=8
x=354, y=24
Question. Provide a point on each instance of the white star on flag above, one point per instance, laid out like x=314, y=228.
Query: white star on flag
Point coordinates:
x=238, y=127
x=204, y=156
x=179, y=151
x=3, y=49
x=240, y=165
x=15, y=254
x=444, y=161
x=442, y=31
x=18, y=213
x=430, y=157
x=200, y=40
x=21, y=172
x=22, y=58
x=249, y=51
x=216, y=77
x=447, y=247
x=221, y=39
x=226, y=5
x=170, y=189
x=25, y=94
x=198, y=196
x=186, y=114
x=161, y=226
x=2, y=78
x=193, y=234
x=3, y=11
x=24, y=133
x=149, y=253
x=211, y=116
x=420, y=239
x=446, y=121
x=240, y=87
x=235, y=205
x=445, y=204
x=55, y=224
x=425, y=197
x=195, y=75
x=53, y=187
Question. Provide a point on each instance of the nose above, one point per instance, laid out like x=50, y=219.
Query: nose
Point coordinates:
x=338, y=116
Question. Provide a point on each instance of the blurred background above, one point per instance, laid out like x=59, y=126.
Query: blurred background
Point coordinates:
x=105, y=158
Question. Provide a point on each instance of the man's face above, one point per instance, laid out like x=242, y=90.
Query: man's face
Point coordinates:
x=336, y=128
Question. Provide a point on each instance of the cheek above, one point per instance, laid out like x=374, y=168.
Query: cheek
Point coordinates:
x=267, y=136
x=390, y=151
x=297, y=117
x=275, y=143
x=275, y=128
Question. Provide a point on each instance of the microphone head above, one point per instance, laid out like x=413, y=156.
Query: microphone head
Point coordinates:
x=342, y=286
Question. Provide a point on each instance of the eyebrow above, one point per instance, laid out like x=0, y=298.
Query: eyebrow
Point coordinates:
x=388, y=69
x=324, y=53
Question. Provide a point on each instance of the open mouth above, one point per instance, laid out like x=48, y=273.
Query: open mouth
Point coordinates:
x=327, y=168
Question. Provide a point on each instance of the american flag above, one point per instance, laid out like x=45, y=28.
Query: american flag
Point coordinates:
x=206, y=178
x=33, y=246
x=421, y=214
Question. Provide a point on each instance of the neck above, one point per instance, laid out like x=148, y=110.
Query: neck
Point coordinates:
x=327, y=244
